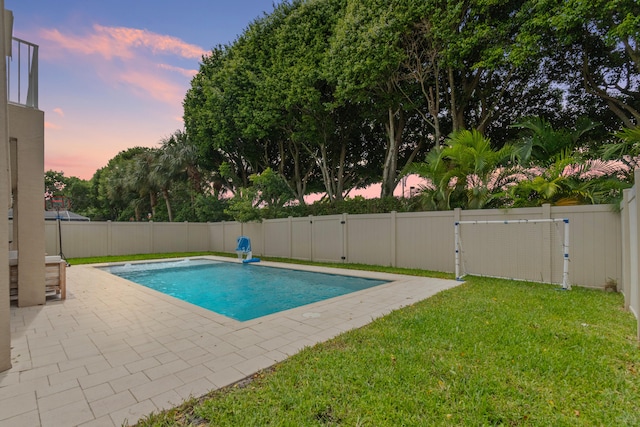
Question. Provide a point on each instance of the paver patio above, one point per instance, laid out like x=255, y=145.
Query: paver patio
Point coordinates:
x=114, y=351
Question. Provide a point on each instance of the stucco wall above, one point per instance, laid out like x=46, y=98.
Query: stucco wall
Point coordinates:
x=26, y=128
x=5, y=331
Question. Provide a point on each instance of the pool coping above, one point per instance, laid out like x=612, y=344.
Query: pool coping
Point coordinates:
x=115, y=351
x=388, y=277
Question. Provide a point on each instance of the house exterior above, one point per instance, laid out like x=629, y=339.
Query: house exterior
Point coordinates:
x=21, y=177
x=63, y=215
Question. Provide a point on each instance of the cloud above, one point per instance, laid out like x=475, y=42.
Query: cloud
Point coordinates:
x=121, y=42
x=52, y=126
x=59, y=111
x=127, y=57
x=158, y=43
x=185, y=72
x=153, y=86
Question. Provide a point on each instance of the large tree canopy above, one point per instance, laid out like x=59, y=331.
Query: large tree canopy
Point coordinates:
x=593, y=48
x=329, y=96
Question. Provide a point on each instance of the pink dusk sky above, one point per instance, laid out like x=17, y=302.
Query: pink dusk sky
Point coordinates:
x=113, y=74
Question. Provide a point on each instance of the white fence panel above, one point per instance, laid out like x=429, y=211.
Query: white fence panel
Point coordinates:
x=327, y=238
x=216, y=236
x=370, y=239
x=253, y=230
x=277, y=238
x=595, y=247
x=197, y=236
x=78, y=239
x=232, y=230
x=223, y=236
x=130, y=238
x=169, y=237
x=425, y=240
x=301, y=238
x=521, y=251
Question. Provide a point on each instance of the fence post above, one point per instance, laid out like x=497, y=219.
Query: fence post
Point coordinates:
x=263, y=233
x=311, y=236
x=187, y=237
x=109, y=239
x=151, y=242
x=635, y=265
x=393, y=241
x=345, y=238
x=457, y=217
x=626, y=246
x=547, y=242
x=224, y=234
x=290, y=222
x=209, y=232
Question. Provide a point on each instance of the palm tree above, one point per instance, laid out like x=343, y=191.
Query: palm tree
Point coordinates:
x=625, y=150
x=181, y=155
x=163, y=175
x=569, y=174
x=542, y=143
x=179, y=161
x=571, y=180
x=464, y=172
x=142, y=178
x=119, y=191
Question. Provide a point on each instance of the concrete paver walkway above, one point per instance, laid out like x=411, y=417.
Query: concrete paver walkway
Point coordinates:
x=114, y=351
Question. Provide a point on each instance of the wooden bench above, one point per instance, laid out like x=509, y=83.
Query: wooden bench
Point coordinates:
x=55, y=277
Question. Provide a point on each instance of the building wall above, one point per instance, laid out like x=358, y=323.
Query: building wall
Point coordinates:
x=26, y=128
x=5, y=328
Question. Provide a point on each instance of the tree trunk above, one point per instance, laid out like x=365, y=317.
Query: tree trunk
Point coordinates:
x=299, y=181
x=394, y=129
x=326, y=173
x=454, y=101
x=153, y=201
x=340, y=177
x=433, y=101
x=624, y=111
x=167, y=202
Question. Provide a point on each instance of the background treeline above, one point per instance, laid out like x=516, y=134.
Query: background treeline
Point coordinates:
x=494, y=103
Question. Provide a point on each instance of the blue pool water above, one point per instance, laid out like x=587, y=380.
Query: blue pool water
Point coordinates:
x=240, y=291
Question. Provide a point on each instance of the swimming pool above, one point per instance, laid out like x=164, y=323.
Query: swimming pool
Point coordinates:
x=240, y=291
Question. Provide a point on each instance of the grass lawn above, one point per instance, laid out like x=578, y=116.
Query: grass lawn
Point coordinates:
x=489, y=352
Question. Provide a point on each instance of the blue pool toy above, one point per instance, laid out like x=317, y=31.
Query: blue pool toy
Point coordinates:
x=243, y=249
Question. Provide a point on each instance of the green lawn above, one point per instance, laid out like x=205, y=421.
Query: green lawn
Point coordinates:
x=489, y=352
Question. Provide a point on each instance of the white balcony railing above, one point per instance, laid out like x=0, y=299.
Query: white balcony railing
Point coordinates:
x=22, y=73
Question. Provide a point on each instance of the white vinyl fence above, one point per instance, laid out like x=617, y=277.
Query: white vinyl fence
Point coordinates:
x=630, y=240
x=423, y=240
